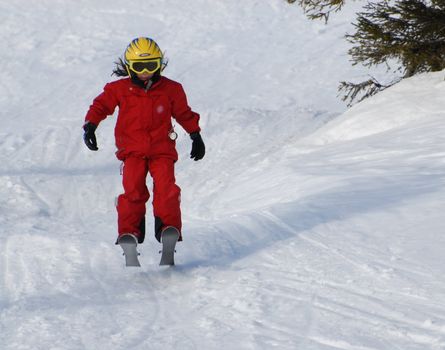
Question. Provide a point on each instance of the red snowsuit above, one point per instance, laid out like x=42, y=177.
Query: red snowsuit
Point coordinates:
x=143, y=144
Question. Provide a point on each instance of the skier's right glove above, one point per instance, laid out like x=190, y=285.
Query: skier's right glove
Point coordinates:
x=89, y=137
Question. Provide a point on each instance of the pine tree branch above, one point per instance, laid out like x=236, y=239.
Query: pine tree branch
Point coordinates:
x=319, y=9
x=357, y=92
x=410, y=34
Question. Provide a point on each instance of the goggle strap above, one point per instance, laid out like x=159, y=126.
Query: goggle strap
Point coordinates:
x=164, y=64
x=128, y=70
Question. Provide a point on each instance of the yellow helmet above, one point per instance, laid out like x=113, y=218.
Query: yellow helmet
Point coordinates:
x=142, y=49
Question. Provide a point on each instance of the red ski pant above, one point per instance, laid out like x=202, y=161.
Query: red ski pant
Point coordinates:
x=166, y=195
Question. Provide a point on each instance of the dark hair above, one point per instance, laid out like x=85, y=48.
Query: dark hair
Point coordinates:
x=120, y=70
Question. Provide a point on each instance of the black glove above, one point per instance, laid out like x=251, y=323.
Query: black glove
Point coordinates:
x=198, y=147
x=89, y=137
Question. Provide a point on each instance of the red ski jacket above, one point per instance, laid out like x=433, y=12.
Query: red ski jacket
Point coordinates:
x=144, y=120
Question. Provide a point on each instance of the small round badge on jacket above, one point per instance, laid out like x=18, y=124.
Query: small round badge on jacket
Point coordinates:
x=173, y=135
x=160, y=109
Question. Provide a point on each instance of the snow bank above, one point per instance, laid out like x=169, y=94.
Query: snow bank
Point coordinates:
x=413, y=99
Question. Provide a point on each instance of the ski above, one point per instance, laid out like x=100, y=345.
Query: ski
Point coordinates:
x=169, y=237
x=128, y=244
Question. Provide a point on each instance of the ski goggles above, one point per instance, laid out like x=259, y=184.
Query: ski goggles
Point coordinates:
x=146, y=66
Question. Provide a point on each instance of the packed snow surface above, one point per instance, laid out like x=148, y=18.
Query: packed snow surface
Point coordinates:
x=304, y=227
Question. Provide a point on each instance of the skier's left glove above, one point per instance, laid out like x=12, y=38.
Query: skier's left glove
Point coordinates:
x=198, y=147
x=89, y=137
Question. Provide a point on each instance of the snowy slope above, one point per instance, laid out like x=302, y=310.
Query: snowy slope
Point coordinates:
x=304, y=228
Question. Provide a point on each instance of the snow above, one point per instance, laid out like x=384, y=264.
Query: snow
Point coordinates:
x=307, y=226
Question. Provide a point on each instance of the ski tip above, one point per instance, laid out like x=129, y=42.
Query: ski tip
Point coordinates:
x=128, y=243
x=169, y=237
x=167, y=260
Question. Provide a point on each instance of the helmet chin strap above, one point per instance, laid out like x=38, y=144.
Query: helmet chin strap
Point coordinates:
x=148, y=85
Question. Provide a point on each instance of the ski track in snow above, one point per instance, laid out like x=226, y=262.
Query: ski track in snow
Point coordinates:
x=303, y=229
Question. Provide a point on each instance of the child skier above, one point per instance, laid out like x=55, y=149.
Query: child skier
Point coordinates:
x=145, y=141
